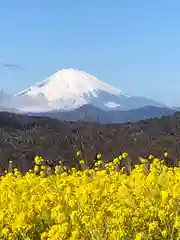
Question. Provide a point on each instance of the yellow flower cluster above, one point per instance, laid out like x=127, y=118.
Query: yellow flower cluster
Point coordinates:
x=101, y=203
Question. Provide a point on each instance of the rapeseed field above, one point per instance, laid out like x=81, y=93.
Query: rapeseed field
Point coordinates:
x=99, y=204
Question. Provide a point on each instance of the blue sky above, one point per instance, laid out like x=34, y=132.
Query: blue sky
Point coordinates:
x=133, y=45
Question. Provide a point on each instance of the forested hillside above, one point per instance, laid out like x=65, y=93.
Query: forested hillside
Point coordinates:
x=23, y=137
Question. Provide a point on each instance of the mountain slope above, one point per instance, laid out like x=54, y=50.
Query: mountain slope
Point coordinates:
x=70, y=89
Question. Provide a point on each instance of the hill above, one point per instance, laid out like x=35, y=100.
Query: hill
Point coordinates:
x=22, y=137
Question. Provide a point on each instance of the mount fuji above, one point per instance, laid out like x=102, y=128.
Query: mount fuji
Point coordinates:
x=69, y=89
x=71, y=94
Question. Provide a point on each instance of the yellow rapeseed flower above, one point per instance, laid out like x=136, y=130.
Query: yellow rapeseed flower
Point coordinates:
x=124, y=155
x=78, y=153
x=81, y=161
x=99, y=155
x=165, y=154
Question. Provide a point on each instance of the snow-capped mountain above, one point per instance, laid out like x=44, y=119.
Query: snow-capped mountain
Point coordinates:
x=70, y=89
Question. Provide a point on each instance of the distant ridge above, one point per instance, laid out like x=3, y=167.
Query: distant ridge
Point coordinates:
x=92, y=113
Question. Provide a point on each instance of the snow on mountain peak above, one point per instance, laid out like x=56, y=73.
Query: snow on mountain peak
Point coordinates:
x=69, y=83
